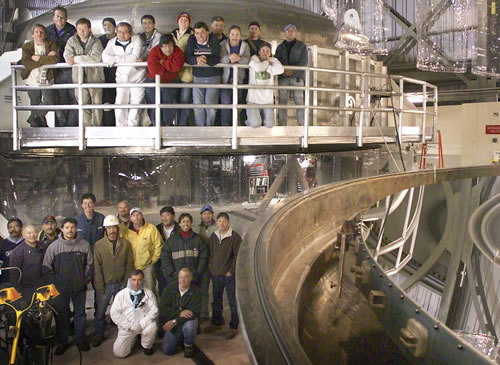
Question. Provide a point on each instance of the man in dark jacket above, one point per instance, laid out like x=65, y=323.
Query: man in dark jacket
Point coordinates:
x=291, y=52
x=28, y=257
x=69, y=264
x=203, y=49
x=7, y=246
x=108, y=94
x=60, y=31
x=179, y=306
x=49, y=232
x=224, y=245
x=166, y=60
x=184, y=249
x=167, y=228
x=89, y=221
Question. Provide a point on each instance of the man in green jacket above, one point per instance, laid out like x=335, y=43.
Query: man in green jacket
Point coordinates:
x=180, y=306
x=114, y=261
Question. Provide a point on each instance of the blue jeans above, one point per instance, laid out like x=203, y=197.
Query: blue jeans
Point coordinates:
x=102, y=301
x=298, y=98
x=257, y=116
x=167, y=96
x=61, y=305
x=218, y=284
x=172, y=339
x=226, y=97
x=205, y=117
x=185, y=97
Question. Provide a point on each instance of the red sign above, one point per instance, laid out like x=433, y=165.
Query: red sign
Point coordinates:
x=493, y=129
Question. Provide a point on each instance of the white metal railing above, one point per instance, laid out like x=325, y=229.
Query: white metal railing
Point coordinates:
x=409, y=232
x=365, y=110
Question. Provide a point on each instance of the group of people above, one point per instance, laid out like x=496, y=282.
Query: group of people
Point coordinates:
x=158, y=275
x=200, y=47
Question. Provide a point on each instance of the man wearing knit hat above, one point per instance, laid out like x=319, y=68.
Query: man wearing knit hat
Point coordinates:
x=181, y=36
x=291, y=52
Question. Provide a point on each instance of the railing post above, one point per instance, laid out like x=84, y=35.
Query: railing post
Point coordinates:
x=315, y=84
x=234, y=138
x=362, y=113
x=15, y=121
x=434, y=117
x=305, y=139
x=424, y=109
x=81, y=130
x=401, y=107
x=157, y=112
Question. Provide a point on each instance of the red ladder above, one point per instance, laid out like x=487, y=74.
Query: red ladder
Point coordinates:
x=424, y=155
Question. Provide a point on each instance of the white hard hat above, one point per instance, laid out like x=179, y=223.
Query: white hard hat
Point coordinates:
x=111, y=220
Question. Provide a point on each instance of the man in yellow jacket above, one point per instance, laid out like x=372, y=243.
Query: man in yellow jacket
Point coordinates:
x=146, y=245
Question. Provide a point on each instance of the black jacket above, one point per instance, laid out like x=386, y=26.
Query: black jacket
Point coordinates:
x=69, y=264
x=29, y=260
x=159, y=227
x=298, y=57
x=179, y=252
x=211, y=51
x=66, y=33
x=172, y=304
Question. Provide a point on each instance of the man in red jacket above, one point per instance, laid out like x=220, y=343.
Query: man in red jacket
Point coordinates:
x=166, y=60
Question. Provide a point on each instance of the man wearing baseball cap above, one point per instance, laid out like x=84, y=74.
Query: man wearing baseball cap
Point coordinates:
x=113, y=262
x=49, y=231
x=146, y=246
x=181, y=36
x=291, y=52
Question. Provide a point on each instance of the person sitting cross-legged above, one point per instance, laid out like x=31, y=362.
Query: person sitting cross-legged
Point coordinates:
x=180, y=305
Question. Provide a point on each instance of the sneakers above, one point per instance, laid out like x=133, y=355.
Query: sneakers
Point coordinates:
x=149, y=352
x=83, y=347
x=188, y=351
x=231, y=333
x=61, y=349
x=97, y=341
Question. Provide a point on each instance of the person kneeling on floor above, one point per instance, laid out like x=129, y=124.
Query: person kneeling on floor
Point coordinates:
x=180, y=305
x=135, y=312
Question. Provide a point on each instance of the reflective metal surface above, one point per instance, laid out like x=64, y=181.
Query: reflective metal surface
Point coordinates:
x=294, y=242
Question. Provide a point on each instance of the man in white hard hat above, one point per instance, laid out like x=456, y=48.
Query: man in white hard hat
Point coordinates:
x=114, y=261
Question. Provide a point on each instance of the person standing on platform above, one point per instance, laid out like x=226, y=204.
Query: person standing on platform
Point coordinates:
x=36, y=53
x=291, y=52
x=50, y=231
x=167, y=228
x=69, y=264
x=146, y=245
x=253, y=40
x=165, y=60
x=113, y=261
x=204, y=50
x=60, y=31
x=90, y=222
x=85, y=47
x=126, y=48
x=263, y=68
x=150, y=37
x=233, y=51
x=217, y=28
x=181, y=36
x=108, y=94
x=224, y=246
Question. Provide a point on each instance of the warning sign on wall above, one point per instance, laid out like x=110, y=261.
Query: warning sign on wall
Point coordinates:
x=493, y=129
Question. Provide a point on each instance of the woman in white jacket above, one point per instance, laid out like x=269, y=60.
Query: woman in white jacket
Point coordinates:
x=135, y=312
x=126, y=48
x=263, y=68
